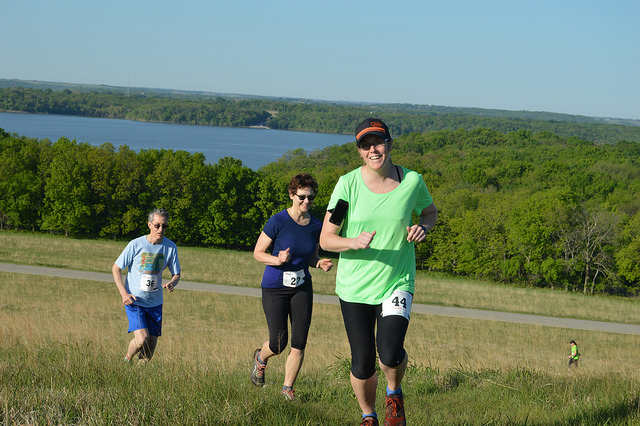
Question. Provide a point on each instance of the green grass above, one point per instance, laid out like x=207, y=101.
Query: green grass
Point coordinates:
x=75, y=387
x=62, y=343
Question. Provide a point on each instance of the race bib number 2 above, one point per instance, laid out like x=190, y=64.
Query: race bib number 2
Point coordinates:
x=399, y=303
x=150, y=282
x=293, y=278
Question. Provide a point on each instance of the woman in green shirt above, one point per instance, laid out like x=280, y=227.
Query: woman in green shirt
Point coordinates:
x=376, y=272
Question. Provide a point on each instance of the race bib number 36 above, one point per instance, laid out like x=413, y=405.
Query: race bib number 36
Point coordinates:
x=399, y=303
x=293, y=278
x=150, y=282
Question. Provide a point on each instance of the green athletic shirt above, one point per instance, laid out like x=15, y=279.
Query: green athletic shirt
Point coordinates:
x=574, y=352
x=370, y=275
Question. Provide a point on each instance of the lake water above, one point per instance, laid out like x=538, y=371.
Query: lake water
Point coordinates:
x=255, y=147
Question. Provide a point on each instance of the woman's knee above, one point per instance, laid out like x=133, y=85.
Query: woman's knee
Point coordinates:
x=297, y=353
x=299, y=342
x=277, y=345
x=363, y=365
x=362, y=372
x=390, y=340
x=393, y=358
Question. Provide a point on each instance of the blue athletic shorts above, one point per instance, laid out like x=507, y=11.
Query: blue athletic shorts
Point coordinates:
x=141, y=317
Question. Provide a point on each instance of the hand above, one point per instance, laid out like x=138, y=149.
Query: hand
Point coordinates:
x=169, y=286
x=416, y=233
x=363, y=241
x=325, y=264
x=284, y=256
x=128, y=299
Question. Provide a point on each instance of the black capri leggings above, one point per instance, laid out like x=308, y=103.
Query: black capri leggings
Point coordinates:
x=359, y=322
x=279, y=305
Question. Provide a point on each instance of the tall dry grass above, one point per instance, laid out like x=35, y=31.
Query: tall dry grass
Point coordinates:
x=223, y=329
x=446, y=291
x=62, y=343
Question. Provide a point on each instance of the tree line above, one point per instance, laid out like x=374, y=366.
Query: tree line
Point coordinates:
x=518, y=208
x=78, y=189
x=300, y=115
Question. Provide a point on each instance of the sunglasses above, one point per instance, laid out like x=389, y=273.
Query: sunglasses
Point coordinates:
x=366, y=146
x=158, y=225
x=302, y=197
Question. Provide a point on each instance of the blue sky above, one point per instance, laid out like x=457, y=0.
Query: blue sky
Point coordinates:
x=574, y=57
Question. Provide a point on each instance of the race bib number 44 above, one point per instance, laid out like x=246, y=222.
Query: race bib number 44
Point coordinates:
x=150, y=282
x=399, y=303
x=293, y=278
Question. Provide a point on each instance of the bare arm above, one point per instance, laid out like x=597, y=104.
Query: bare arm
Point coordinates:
x=331, y=241
x=171, y=285
x=127, y=298
x=261, y=254
x=324, y=264
x=428, y=219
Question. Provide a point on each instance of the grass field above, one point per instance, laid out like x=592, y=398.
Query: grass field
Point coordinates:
x=62, y=343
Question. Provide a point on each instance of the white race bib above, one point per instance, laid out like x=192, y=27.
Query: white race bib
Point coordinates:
x=399, y=303
x=150, y=282
x=293, y=278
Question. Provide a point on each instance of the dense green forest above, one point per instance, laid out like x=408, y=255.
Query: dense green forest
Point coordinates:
x=518, y=207
x=301, y=115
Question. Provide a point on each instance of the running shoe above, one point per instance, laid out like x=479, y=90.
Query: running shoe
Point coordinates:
x=288, y=394
x=395, y=411
x=369, y=421
x=257, y=373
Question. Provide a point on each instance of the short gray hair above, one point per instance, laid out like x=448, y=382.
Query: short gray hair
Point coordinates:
x=158, y=212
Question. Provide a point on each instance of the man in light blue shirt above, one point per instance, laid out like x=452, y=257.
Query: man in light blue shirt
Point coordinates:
x=146, y=257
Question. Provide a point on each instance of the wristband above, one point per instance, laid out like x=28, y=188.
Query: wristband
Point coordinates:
x=424, y=228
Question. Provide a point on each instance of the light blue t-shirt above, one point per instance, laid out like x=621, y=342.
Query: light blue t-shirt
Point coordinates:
x=145, y=263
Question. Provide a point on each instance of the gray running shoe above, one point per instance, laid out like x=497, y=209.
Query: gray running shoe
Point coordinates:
x=288, y=394
x=257, y=373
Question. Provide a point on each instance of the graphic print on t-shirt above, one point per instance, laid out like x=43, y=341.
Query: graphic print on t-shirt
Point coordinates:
x=151, y=271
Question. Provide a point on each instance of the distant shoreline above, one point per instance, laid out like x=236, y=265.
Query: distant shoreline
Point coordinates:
x=263, y=127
